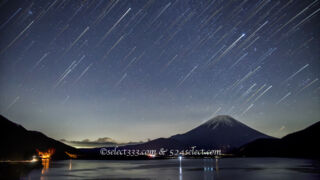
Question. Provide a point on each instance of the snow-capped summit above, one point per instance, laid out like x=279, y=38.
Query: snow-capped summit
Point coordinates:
x=222, y=120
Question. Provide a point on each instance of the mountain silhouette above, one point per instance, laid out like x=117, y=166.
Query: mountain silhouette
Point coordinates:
x=20, y=144
x=221, y=132
x=298, y=144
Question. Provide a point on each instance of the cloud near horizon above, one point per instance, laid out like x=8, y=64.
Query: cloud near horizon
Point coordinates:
x=100, y=142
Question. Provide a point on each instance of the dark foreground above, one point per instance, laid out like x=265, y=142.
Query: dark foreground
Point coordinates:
x=227, y=168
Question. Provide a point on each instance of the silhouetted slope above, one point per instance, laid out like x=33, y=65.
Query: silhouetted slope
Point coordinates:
x=221, y=132
x=303, y=143
x=19, y=143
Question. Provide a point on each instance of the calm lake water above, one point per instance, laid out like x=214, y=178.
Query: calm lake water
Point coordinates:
x=227, y=168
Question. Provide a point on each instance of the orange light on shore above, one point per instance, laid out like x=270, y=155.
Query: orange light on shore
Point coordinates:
x=45, y=159
x=46, y=155
x=73, y=156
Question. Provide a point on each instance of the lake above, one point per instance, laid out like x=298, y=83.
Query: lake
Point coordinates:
x=226, y=168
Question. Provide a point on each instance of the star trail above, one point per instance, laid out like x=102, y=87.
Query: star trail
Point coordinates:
x=133, y=70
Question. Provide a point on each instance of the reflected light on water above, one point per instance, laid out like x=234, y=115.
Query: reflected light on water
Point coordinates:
x=70, y=164
x=45, y=166
x=210, y=168
x=217, y=166
x=202, y=169
x=180, y=173
x=180, y=167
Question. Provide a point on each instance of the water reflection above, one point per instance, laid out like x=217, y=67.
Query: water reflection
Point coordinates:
x=45, y=166
x=70, y=164
x=208, y=168
x=180, y=168
x=217, y=166
x=184, y=169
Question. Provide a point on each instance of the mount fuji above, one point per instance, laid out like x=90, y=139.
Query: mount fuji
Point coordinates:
x=223, y=132
x=220, y=132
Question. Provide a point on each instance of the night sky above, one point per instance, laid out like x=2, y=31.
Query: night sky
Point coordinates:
x=133, y=70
